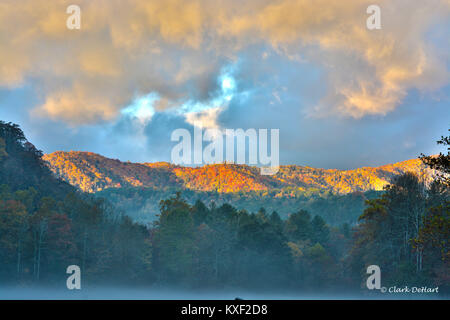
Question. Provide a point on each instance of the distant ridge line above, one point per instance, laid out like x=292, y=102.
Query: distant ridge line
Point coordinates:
x=91, y=172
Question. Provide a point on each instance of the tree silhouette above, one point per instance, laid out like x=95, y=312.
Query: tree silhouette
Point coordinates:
x=440, y=162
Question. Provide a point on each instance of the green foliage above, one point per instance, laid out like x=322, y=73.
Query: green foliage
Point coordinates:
x=174, y=238
x=403, y=234
x=298, y=225
x=3, y=153
x=220, y=245
x=320, y=232
x=142, y=203
x=433, y=242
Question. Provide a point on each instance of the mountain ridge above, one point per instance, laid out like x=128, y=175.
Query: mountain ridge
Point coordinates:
x=91, y=172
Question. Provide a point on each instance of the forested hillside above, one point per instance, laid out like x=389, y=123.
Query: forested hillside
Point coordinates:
x=47, y=225
x=338, y=196
x=21, y=166
x=91, y=172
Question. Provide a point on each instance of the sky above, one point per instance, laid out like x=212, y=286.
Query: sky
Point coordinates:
x=342, y=96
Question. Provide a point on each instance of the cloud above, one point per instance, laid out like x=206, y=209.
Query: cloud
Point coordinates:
x=204, y=119
x=177, y=49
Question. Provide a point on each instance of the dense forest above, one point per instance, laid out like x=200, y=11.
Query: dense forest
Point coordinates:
x=46, y=225
x=142, y=204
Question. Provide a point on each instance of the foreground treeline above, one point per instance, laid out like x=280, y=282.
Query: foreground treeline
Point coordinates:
x=405, y=232
x=41, y=237
x=45, y=226
x=221, y=246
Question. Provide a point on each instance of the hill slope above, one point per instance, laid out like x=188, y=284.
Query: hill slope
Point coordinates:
x=91, y=172
x=21, y=166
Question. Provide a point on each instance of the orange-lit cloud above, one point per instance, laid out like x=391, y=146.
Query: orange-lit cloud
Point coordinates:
x=127, y=48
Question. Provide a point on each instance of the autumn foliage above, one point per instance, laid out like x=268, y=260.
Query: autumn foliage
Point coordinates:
x=91, y=172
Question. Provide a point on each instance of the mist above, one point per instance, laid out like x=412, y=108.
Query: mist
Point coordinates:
x=171, y=293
